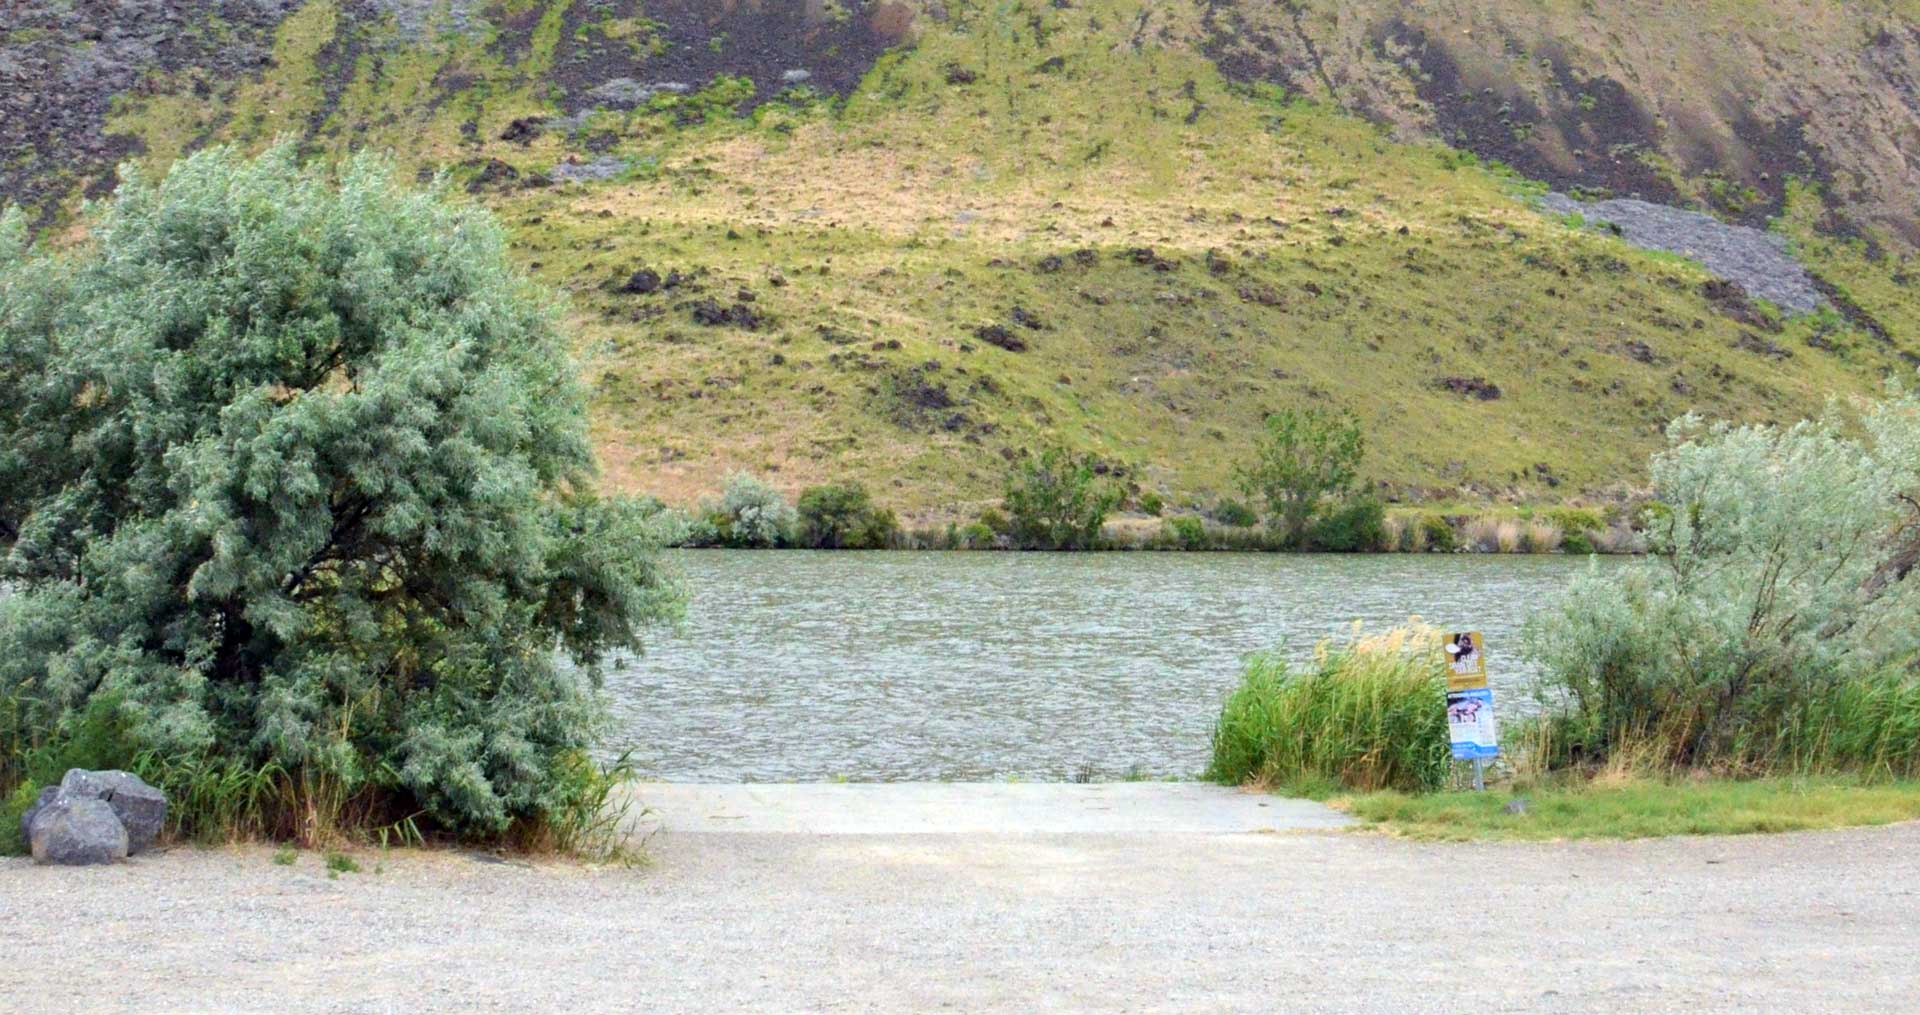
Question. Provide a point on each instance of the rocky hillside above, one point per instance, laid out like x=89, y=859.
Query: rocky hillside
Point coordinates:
x=900, y=241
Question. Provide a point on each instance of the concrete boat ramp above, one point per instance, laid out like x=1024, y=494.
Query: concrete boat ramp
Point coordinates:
x=922, y=808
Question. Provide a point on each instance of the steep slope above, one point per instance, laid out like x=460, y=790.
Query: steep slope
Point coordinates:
x=1037, y=222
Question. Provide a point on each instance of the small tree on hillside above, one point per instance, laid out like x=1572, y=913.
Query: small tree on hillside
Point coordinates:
x=1056, y=501
x=295, y=481
x=1305, y=458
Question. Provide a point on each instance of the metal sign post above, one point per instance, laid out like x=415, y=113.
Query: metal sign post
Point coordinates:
x=1470, y=725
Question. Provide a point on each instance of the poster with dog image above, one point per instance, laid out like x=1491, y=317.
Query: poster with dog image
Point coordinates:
x=1466, y=661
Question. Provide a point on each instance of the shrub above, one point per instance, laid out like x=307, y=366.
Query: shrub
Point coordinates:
x=1152, y=504
x=1358, y=526
x=668, y=526
x=977, y=537
x=1578, y=543
x=1541, y=537
x=1235, y=513
x=297, y=485
x=750, y=514
x=1439, y=535
x=1302, y=459
x=1401, y=535
x=995, y=522
x=1185, y=532
x=1488, y=534
x=1573, y=520
x=1056, y=502
x=843, y=517
x=1620, y=539
x=1767, y=629
x=1369, y=715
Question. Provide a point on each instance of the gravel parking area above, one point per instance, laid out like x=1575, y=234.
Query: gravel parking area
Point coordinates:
x=1296, y=921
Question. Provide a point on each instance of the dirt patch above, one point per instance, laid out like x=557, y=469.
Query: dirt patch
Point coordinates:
x=1472, y=387
x=999, y=335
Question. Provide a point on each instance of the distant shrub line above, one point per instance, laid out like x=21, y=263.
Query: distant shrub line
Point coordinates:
x=843, y=516
x=1301, y=484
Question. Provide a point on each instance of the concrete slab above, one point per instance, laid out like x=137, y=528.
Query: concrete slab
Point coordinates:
x=920, y=808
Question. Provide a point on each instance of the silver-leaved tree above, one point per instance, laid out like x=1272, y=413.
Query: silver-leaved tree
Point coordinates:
x=296, y=495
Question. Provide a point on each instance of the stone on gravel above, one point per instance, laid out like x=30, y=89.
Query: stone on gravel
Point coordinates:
x=26, y=817
x=76, y=831
x=140, y=808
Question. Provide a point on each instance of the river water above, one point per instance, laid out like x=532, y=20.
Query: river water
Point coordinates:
x=808, y=666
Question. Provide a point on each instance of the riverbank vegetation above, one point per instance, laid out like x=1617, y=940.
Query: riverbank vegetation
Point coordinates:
x=1368, y=715
x=1771, y=633
x=1636, y=809
x=299, y=516
x=1302, y=474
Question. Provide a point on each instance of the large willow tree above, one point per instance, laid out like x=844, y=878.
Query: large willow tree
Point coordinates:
x=294, y=476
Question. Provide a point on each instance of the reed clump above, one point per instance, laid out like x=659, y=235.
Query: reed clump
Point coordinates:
x=1366, y=715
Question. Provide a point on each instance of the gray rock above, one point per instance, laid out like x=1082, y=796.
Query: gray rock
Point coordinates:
x=1518, y=805
x=26, y=817
x=77, y=831
x=626, y=93
x=1757, y=261
x=796, y=76
x=606, y=167
x=140, y=807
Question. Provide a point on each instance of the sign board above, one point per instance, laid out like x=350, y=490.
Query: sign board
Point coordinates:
x=1466, y=661
x=1470, y=723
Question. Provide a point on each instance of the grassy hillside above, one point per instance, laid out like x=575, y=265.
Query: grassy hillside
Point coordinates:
x=1028, y=223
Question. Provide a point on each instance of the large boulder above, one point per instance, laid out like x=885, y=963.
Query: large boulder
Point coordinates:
x=140, y=807
x=26, y=816
x=75, y=831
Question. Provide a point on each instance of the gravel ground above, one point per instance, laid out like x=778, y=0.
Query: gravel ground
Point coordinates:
x=1754, y=259
x=1216, y=923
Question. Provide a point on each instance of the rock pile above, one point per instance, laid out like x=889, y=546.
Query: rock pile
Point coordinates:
x=1755, y=260
x=94, y=818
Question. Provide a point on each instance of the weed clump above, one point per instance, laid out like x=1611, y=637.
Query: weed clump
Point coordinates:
x=1364, y=716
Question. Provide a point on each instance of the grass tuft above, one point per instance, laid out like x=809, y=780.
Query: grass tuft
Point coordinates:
x=1368, y=715
x=1639, y=808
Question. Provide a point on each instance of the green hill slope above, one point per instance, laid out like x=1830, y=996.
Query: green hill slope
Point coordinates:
x=870, y=242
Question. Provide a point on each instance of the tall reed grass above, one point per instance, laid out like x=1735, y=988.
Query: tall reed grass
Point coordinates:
x=1867, y=727
x=1366, y=715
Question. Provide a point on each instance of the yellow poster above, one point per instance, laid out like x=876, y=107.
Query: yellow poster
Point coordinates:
x=1466, y=661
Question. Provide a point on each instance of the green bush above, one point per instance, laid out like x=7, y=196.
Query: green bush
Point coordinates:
x=1055, y=501
x=1185, y=532
x=1358, y=526
x=843, y=517
x=297, y=485
x=750, y=515
x=1235, y=513
x=1152, y=504
x=977, y=536
x=1578, y=542
x=1303, y=460
x=1440, y=536
x=1367, y=716
x=1770, y=629
x=1577, y=520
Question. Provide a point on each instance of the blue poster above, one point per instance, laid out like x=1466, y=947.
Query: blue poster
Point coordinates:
x=1470, y=725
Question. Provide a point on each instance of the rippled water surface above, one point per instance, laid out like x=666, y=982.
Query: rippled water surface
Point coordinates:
x=796, y=666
